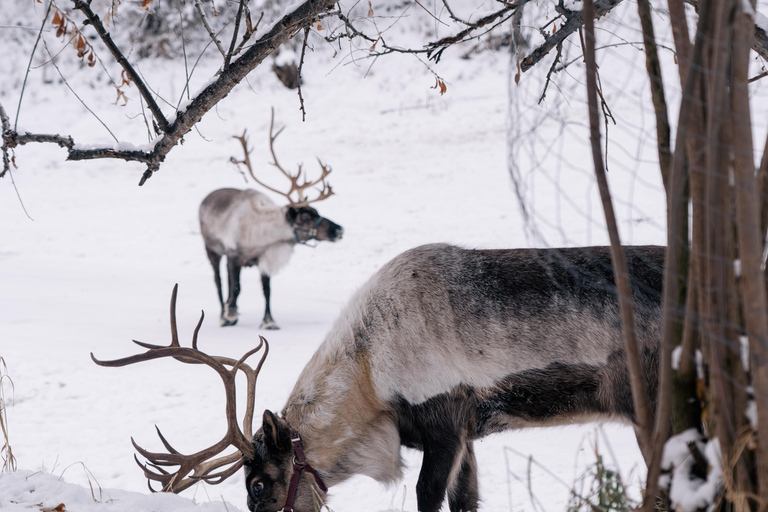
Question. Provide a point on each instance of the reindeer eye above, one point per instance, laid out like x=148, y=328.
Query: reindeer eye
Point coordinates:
x=257, y=487
x=305, y=217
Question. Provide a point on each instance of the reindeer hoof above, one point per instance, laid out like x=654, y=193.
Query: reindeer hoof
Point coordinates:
x=224, y=321
x=269, y=325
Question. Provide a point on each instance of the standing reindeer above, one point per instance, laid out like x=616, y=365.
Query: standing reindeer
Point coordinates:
x=249, y=229
x=441, y=347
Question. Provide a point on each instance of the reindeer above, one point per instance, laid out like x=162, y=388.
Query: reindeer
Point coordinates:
x=441, y=347
x=249, y=229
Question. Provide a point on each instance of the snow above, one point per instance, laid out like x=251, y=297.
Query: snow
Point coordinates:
x=686, y=491
x=96, y=267
x=44, y=492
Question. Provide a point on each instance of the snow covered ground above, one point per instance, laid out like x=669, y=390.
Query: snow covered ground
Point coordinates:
x=96, y=266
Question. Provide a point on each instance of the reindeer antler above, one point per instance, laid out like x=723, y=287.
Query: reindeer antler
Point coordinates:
x=198, y=463
x=299, y=188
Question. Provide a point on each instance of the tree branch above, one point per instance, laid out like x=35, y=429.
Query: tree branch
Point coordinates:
x=575, y=20
x=643, y=414
x=6, y=124
x=228, y=56
x=204, y=19
x=95, y=21
x=185, y=120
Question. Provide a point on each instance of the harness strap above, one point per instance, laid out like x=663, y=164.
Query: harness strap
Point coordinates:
x=311, y=233
x=299, y=464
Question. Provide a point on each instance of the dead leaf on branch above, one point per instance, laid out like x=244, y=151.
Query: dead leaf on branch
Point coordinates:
x=62, y=25
x=121, y=95
x=440, y=84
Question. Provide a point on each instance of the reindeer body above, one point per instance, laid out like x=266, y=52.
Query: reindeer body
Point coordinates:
x=250, y=229
x=446, y=345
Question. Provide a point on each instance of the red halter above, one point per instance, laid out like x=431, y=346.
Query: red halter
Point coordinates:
x=299, y=464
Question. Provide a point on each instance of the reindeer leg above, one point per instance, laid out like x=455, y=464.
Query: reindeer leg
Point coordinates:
x=229, y=317
x=215, y=260
x=268, y=322
x=441, y=451
x=463, y=495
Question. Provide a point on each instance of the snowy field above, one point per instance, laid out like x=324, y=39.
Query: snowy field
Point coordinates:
x=96, y=266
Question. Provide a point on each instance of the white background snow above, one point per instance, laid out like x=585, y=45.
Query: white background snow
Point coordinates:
x=96, y=266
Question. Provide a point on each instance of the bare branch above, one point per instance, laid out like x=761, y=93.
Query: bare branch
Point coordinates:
x=301, y=66
x=29, y=65
x=6, y=124
x=95, y=21
x=229, y=55
x=574, y=21
x=643, y=414
x=250, y=29
x=204, y=18
x=653, y=68
x=185, y=120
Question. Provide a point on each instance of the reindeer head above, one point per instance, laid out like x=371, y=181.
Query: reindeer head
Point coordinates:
x=307, y=223
x=278, y=477
x=271, y=457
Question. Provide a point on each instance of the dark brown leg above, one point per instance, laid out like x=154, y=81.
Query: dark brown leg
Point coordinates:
x=229, y=317
x=464, y=496
x=268, y=322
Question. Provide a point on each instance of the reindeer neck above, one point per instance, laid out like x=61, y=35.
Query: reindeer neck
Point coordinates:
x=266, y=227
x=345, y=427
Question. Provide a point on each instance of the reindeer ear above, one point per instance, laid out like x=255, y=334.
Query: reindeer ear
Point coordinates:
x=291, y=212
x=277, y=435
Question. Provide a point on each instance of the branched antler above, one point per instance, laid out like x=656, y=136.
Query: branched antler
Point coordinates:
x=300, y=198
x=200, y=466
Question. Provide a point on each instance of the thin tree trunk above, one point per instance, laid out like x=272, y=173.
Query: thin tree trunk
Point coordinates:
x=755, y=305
x=643, y=414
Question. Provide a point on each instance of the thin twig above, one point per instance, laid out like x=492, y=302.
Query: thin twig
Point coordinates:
x=549, y=74
x=643, y=413
x=18, y=195
x=32, y=56
x=248, y=32
x=427, y=11
x=758, y=77
x=204, y=18
x=184, y=52
x=228, y=57
x=301, y=66
x=95, y=21
x=53, y=62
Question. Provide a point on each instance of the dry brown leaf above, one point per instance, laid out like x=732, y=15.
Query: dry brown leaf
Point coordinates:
x=370, y=9
x=440, y=84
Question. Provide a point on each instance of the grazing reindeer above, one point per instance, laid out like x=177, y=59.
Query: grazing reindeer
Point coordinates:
x=249, y=229
x=444, y=346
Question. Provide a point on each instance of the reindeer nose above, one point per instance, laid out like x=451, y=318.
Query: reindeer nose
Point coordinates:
x=339, y=233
